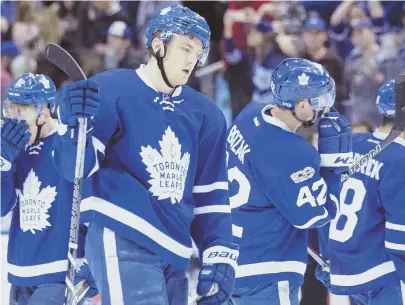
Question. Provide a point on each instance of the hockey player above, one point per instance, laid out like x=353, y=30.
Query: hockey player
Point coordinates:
x=366, y=246
x=280, y=185
x=40, y=198
x=156, y=155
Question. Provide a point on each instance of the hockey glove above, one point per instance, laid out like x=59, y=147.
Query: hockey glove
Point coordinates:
x=335, y=142
x=78, y=100
x=84, y=274
x=323, y=276
x=14, y=137
x=217, y=275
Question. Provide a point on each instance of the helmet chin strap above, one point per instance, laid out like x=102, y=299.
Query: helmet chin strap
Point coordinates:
x=159, y=59
x=306, y=124
x=39, y=129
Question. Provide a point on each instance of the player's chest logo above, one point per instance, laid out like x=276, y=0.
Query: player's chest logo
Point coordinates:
x=35, y=203
x=167, y=168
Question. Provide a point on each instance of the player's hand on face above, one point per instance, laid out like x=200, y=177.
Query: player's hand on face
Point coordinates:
x=79, y=100
x=14, y=137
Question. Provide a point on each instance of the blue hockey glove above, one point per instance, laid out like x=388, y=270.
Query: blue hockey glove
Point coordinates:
x=335, y=142
x=84, y=274
x=79, y=100
x=217, y=271
x=223, y=275
x=323, y=276
x=14, y=137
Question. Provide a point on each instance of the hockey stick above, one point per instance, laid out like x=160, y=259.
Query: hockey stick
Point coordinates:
x=397, y=129
x=64, y=61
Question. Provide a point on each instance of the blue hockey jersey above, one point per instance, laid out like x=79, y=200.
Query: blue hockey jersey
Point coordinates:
x=276, y=193
x=39, y=232
x=367, y=238
x=159, y=172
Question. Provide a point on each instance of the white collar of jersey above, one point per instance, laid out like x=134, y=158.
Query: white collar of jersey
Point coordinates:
x=272, y=120
x=142, y=75
x=382, y=135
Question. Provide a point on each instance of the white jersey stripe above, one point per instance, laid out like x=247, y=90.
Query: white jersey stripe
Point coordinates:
x=212, y=209
x=394, y=226
x=284, y=292
x=362, y=278
x=210, y=187
x=135, y=222
x=37, y=270
x=270, y=268
x=113, y=271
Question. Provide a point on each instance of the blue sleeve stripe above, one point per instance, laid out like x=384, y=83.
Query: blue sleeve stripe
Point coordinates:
x=212, y=209
x=313, y=220
x=394, y=226
x=220, y=185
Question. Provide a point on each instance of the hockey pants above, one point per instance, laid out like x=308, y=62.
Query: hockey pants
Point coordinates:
x=128, y=274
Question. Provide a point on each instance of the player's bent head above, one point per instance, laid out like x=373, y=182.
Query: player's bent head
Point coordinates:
x=304, y=88
x=181, y=57
x=178, y=40
x=31, y=98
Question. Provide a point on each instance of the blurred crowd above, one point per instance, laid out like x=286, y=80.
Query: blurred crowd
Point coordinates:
x=361, y=43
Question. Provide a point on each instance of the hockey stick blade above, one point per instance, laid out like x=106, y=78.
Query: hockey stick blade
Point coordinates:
x=64, y=61
x=397, y=128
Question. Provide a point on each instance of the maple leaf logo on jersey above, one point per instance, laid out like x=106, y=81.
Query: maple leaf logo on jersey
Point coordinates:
x=167, y=168
x=35, y=203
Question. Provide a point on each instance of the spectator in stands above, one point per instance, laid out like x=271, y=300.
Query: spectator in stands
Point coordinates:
x=315, y=38
x=25, y=30
x=8, y=13
x=348, y=12
x=95, y=18
x=48, y=24
x=9, y=50
x=363, y=75
x=265, y=56
x=69, y=24
x=249, y=66
x=119, y=53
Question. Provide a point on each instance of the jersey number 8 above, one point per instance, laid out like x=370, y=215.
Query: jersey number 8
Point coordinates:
x=348, y=210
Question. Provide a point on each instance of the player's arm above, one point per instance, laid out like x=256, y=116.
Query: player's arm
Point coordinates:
x=14, y=138
x=308, y=186
x=392, y=194
x=212, y=226
x=297, y=189
x=84, y=99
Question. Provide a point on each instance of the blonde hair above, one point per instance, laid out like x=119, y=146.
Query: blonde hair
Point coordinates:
x=48, y=24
